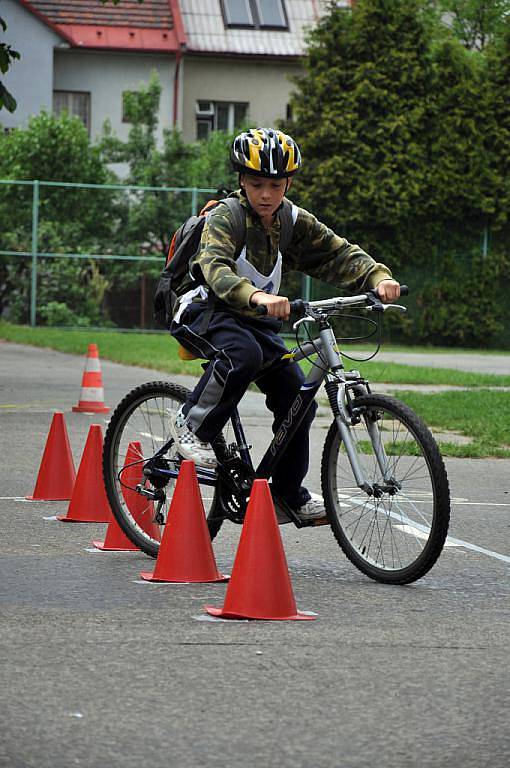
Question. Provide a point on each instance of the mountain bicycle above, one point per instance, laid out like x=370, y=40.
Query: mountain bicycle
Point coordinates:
x=383, y=479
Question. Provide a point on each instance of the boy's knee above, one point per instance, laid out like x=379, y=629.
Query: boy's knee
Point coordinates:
x=246, y=360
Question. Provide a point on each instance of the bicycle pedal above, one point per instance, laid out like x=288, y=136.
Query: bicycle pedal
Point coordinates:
x=314, y=523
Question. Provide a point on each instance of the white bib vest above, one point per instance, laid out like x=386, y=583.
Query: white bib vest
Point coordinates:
x=267, y=283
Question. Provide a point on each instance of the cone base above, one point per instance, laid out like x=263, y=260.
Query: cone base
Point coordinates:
x=47, y=498
x=146, y=576
x=90, y=408
x=64, y=519
x=101, y=545
x=299, y=616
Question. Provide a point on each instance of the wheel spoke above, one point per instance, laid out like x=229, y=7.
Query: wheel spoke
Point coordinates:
x=398, y=528
x=144, y=417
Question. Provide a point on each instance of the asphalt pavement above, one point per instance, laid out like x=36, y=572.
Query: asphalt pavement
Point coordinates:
x=100, y=670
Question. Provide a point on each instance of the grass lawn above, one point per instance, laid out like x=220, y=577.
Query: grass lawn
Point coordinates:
x=482, y=415
x=159, y=351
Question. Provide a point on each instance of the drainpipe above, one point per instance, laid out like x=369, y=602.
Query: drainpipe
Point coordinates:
x=178, y=58
x=180, y=33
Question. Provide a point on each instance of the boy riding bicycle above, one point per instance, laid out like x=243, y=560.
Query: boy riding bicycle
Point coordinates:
x=241, y=345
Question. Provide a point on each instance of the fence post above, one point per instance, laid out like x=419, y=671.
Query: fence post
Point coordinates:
x=35, y=245
x=194, y=201
x=485, y=243
x=306, y=287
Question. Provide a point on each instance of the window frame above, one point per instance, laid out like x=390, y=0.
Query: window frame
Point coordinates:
x=87, y=124
x=274, y=27
x=257, y=17
x=210, y=116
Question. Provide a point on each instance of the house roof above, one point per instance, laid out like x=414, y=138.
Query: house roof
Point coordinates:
x=128, y=13
x=206, y=31
x=153, y=25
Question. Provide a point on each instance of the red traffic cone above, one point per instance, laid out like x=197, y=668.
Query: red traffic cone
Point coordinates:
x=185, y=553
x=115, y=540
x=260, y=585
x=57, y=474
x=92, y=392
x=140, y=507
x=89, y=503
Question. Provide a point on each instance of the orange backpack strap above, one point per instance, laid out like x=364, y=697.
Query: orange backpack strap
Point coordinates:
x=171, y=250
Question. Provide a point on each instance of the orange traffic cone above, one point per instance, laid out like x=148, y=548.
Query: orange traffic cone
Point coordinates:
x=92, y=392
x=140, y=507
x=185, y=553
x=57, y=474
x=260, y=585
x=115, y=540
x=89, y=503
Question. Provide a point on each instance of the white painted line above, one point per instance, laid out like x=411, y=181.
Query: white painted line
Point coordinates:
x=20, y=498
x=481, y=550
x=482, y=503
x=152, y=437
x=421, y=531
x=50, y=518
x=413, y=531
x=208, y=617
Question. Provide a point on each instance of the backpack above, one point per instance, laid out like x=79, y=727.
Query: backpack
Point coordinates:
x=185, y=245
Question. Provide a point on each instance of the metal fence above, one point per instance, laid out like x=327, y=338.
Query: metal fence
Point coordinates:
x=35, y=254
x=197, y=195
x=129, y=306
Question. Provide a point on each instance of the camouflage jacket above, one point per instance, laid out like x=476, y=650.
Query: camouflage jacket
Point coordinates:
x=314, y=249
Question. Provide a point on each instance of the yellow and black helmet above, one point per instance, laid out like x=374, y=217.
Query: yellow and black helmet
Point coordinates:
x=265, y=152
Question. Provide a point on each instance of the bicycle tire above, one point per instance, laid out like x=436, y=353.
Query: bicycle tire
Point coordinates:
x=124, y=429
x=416, y=516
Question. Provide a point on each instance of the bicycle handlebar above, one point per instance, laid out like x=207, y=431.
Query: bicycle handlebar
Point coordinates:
x=370, y=299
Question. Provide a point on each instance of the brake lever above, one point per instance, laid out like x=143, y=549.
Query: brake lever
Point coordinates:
x=380, y=307
x=306, y=319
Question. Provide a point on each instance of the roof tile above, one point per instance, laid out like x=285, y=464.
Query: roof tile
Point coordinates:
x=128, y=13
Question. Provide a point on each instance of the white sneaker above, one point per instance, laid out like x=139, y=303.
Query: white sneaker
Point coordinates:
x=313, y=509
x=188, y=444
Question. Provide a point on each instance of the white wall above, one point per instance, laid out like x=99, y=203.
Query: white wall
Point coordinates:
x=29, y=79
x=265, y=85
x=106, y=75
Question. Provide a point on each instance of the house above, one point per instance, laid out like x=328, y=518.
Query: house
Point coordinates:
x=83, y=56
x=219, y=61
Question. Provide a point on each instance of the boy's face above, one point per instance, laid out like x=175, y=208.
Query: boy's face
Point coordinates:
x=264, y=195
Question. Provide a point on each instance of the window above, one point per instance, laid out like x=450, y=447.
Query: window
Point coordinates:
x=255, y=14
x=75, y=103
x=219, y=116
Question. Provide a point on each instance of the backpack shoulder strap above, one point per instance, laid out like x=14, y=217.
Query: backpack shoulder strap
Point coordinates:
x=287, y=215
x=239, y=219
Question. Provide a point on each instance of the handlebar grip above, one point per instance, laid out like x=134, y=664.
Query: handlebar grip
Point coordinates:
x=297, y=307
x=404, y=290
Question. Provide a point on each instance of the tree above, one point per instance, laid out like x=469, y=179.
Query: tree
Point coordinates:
x=70, y=219
x=152, y=217
x=361, y=111
x=498, y=126
x=475, y=22
x=7, y=56
x=459, y=198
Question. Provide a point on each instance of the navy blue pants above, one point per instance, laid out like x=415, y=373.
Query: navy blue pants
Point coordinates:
x=242, y=350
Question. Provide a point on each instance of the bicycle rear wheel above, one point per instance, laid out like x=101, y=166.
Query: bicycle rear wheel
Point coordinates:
x=139, y=427
x=397, y=536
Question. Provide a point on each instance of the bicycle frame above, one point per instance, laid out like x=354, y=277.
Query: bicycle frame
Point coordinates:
x=332, y=371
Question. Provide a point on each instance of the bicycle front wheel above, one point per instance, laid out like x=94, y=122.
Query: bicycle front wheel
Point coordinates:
x=138, y=429
x=396, y=534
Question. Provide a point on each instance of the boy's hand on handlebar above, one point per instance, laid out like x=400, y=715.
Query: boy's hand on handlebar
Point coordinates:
x=277, y=306
x=388, y=290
